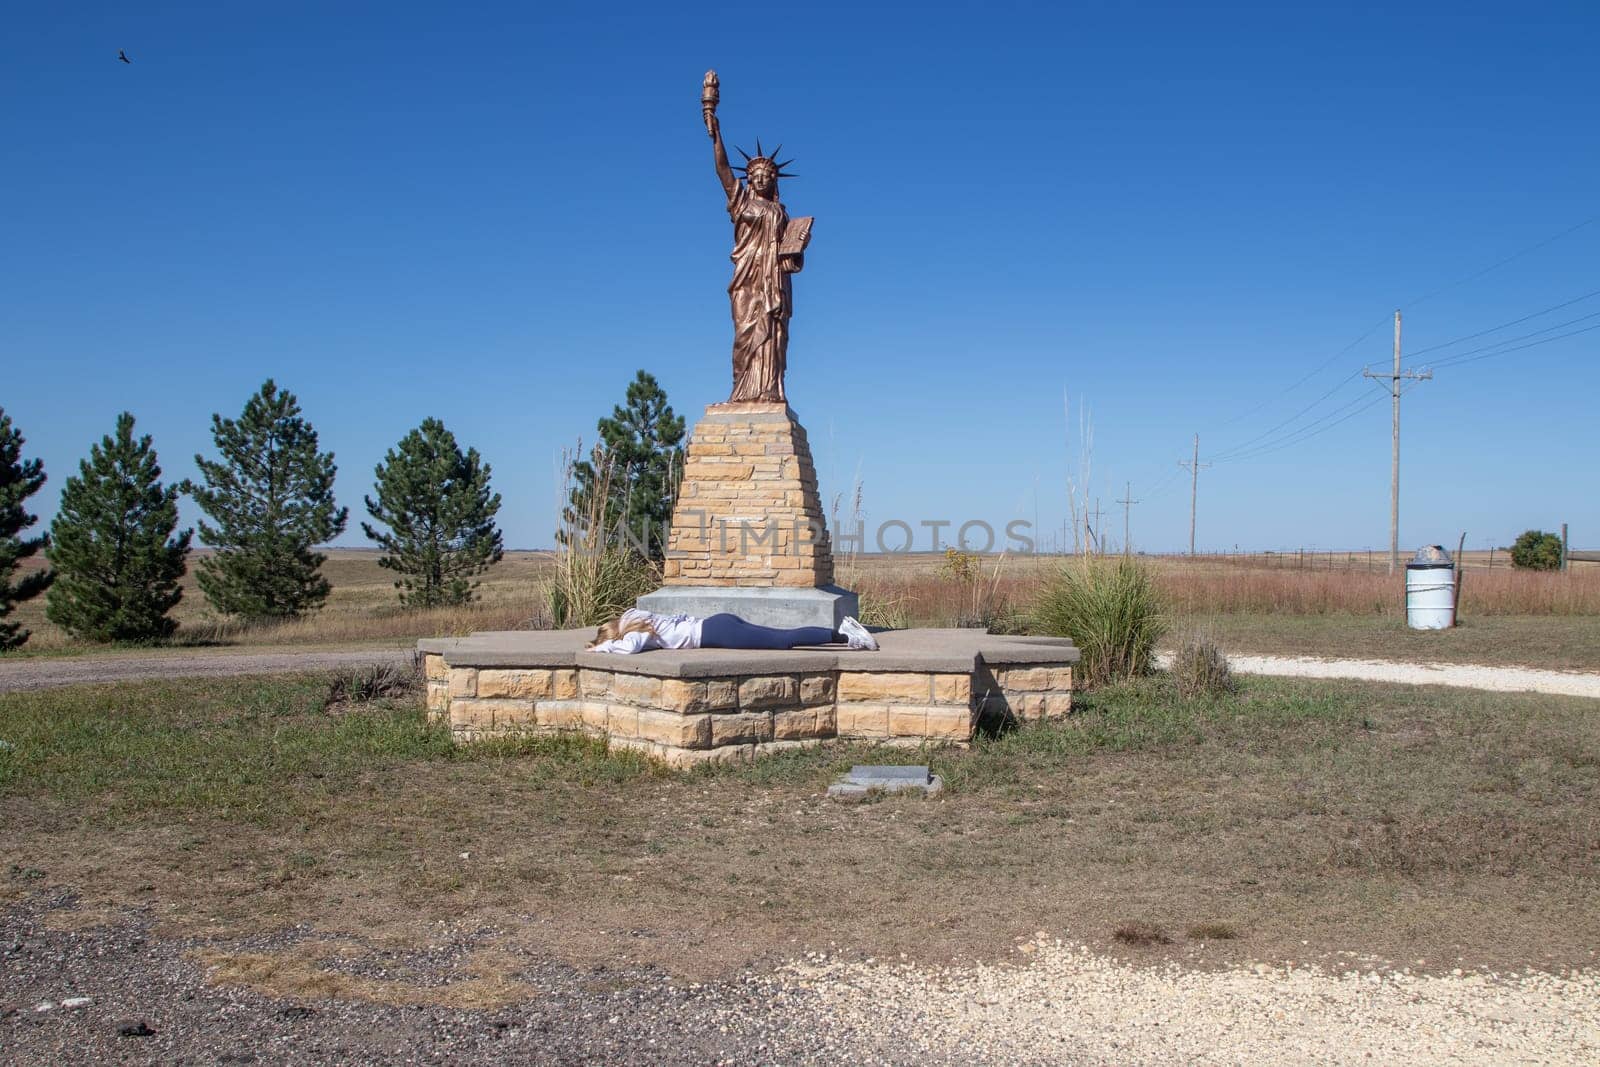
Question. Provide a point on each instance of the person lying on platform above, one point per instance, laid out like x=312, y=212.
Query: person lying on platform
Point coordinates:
x=640, y=631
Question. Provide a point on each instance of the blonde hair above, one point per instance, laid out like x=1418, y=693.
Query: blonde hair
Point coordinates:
x=612, y=629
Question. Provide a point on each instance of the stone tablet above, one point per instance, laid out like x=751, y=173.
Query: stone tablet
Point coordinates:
x=864, y=779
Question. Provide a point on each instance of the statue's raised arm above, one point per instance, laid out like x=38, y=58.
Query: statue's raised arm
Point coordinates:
x=768, y=250
x=709, y=96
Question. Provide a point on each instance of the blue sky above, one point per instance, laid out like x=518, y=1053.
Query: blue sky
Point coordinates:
x=1178, y=216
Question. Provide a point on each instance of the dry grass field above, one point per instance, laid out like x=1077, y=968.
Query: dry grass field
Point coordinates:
x=1275, y=605
x=1328, y=605
x=1309, y=821
x=363, y=609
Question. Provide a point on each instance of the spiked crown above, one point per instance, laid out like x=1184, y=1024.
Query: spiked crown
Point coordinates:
x=760, y=157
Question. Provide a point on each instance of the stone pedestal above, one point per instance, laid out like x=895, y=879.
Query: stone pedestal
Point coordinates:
x=693, y=705
x=748, y=533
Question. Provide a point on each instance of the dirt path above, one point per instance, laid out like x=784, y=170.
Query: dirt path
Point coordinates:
x=1461, y=675
x=42, y=673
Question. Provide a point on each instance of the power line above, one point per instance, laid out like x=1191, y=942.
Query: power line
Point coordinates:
x=1360, y=404
x=1243, y=445
x=1518, y=348
x=1310, y=430
x=1248, y=449
x=1319, y=368
x=1496, y=266
x=1462, y=357
x=1505, y=325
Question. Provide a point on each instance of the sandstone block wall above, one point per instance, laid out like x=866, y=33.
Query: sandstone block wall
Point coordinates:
x=687, y=721
x=748, y=511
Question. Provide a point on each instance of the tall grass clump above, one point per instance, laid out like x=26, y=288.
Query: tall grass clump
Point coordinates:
x=598, y=571
x=1200, y=668
x=1110, y=610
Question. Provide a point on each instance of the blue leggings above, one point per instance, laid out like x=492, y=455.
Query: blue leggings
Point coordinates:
x=730, y=631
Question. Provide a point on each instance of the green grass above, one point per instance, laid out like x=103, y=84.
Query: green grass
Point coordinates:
x=1308, y=818
x=248, y=749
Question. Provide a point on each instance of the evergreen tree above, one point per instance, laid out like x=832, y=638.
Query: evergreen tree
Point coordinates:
x=271, y=499
x=435, y=500
x=117, y=562
x=643, y=443
x=19, y=479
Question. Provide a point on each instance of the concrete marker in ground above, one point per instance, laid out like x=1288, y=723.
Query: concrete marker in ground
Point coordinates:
x=865, y=779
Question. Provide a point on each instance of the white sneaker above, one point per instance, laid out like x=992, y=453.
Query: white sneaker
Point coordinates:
x=857, y=635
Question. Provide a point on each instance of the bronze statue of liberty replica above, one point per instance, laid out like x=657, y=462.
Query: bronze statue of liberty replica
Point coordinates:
x=768, y=247
x=748, y=533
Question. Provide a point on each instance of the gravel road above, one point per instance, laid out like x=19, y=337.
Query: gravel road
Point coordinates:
x=1465, y=676
x=114, y=993
x=48, y=673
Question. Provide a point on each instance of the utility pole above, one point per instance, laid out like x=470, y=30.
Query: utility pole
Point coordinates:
x=1127, y=502
x=1194, y=467
x=1394, y=380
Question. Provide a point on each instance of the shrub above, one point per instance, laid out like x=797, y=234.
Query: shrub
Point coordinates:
x=1110, y=611
x=959, y=566
x=1200, y=669
x=362, y=685
x=1141, y=933
x=598, y=572
x=1536, y=550
x=1213, y=931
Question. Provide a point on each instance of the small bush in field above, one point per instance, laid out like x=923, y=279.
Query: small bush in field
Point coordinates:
x=1110, y=611
x=1213, y=932
x=362, y=685
x=1536, y=550
x=1141, y=933
x=959, y=566
x=1200, y=669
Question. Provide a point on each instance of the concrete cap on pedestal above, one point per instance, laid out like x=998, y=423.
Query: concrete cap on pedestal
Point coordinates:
x=930, y=651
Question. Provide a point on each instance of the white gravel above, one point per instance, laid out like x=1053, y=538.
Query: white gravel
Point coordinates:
x=1068, y=1005
x=1462, y=675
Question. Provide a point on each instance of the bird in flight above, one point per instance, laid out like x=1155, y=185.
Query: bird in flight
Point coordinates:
x=123, y=56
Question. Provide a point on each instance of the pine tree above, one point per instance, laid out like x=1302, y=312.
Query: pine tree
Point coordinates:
x=117, y=562
x=19, y=479
x=435, y=500
x=643, y=444
x=271, y=498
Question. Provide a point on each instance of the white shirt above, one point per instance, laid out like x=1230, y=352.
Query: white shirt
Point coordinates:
x=671, y=631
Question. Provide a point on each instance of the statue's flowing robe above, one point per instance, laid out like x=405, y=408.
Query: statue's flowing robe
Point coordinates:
x=761, y=295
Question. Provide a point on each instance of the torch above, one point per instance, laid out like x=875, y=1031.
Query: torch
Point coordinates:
x=708, y=99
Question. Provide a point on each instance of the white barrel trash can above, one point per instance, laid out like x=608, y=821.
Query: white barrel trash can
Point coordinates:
x=1431, y=590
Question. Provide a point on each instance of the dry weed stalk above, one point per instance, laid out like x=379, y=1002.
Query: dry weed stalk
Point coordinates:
x=598, y=573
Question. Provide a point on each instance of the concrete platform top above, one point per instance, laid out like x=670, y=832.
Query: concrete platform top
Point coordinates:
x=930, y=651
